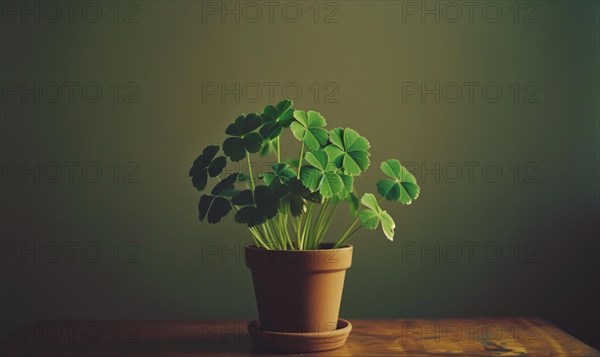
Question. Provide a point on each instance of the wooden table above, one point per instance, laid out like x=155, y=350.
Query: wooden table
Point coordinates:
x=473, y=337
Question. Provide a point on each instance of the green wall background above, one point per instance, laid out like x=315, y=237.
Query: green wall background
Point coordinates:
x=366, y=57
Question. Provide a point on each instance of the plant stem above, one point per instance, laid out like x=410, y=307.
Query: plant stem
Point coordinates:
x=306, y=231
x=269, y=236
x=324, y=217
x=326, y=223
x=294, y=224
x=277, y=231
x=287, y=232
x=349, y=231
x=278, y=149
x=269, y=228
x=300, y=159
x=299, y=233
x=343, y=238
x=307, y=225
x=250, y=170
x=284, y=229
x=321, y=215
x=313, y=236
x=257, y=237
x=341, y=242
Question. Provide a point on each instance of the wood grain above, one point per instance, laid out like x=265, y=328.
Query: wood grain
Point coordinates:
x=410, y=337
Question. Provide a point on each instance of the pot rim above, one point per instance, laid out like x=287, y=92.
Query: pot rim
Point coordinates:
x=342, y=248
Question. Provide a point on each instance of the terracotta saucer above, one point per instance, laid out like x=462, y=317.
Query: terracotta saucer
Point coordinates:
x=291, y=342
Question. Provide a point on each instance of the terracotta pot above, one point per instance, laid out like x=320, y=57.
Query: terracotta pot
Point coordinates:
x=298, y=291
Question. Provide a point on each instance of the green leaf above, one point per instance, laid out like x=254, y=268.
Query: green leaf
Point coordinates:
x=311, y=177
x=349, y=151
x=266, y=201
x=348, y=186
x=275, y=118
x=296, y=204
x=389, y=189
x=206, y=164
x=226, y=184
x=317, y=176
x=331, y=184
x=253, y=142
x=392, y=168
x=373, y=215
x=354, y=203
x=268, y=147
x=294, y=163
x=244, y=198
x=243, y=138
x=401, y=187
x=213, y=208
x=369, y=219
x=216, y=166
x=388, y=225
x=271, y=129
x=314, y=197
x=244, y=124
x=250, y=216
x=317, y=158
x=369, y=200
x=308, y=127
x=281, y=174
x=294, y=196
x=229, y=193
x=285, y=112
x=260, y=205
x=234, y=148
x=217, y=205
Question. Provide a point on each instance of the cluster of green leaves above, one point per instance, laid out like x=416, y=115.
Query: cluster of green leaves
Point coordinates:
x=334, y=157
x=300, y=193
x=401, y=186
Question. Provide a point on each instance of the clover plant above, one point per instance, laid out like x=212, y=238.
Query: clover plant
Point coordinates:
x=292, y=205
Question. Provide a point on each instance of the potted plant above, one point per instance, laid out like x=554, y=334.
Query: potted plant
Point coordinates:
x=298, y=277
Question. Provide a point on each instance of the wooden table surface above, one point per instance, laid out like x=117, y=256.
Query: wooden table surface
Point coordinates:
x=410, y=337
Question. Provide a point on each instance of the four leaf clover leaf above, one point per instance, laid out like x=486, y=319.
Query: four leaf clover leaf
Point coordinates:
x=318, y=177
x=243, y=138
x=348, y=150
x=308, y=128
x=206, y=164
x=373, y=215
x=402, y=187
x=217, y=205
